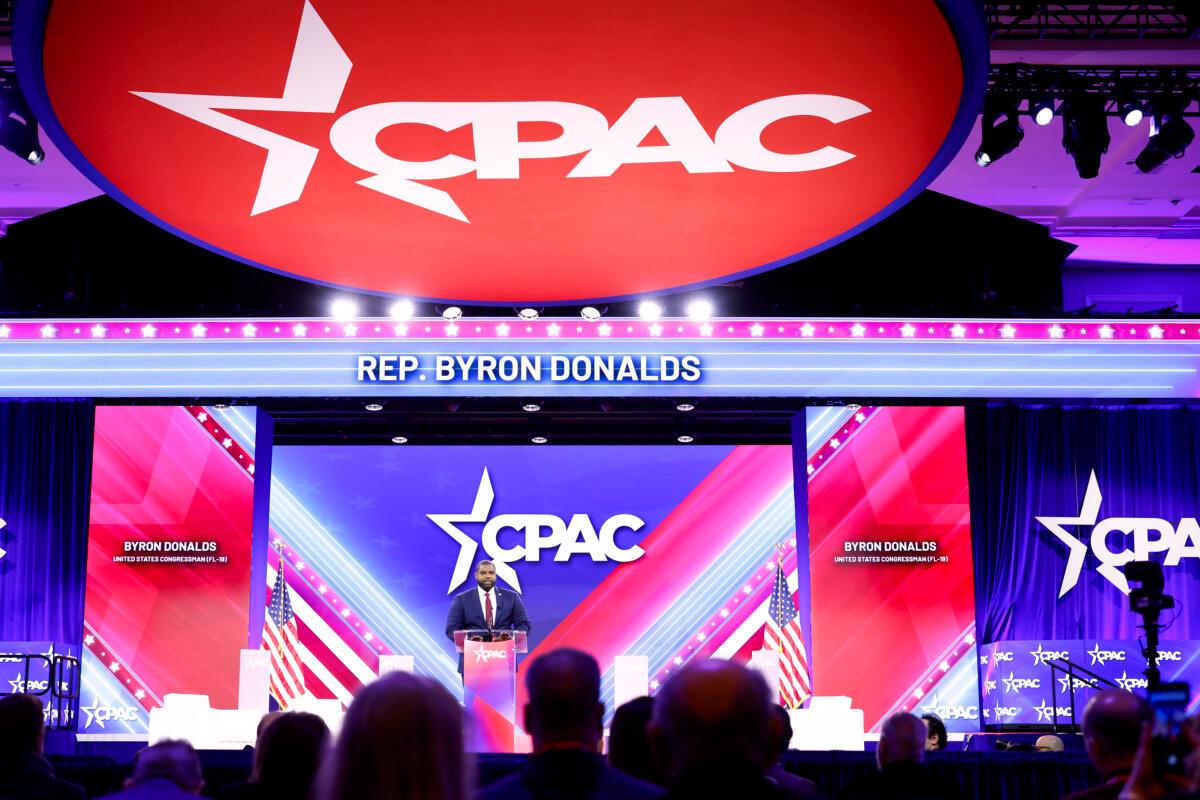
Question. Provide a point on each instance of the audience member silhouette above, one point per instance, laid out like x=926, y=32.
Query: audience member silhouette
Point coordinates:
x=901, y=775
x=565, y=719
x=628, y=748
x=790, y=786
x=1112, y=724
x=710, y=732
x=167, y=770
x=24, y=773
x=936, y=736
x=402, y=739
x=288, y=752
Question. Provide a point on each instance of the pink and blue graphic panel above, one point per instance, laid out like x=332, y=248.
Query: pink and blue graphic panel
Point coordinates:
x=666, y=552
x=893, y=602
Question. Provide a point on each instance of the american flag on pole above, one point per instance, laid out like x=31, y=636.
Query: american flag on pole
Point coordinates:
x=281, y=638
x=783, y=634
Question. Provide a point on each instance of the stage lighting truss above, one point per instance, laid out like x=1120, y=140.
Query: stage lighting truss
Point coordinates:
x=1086, y=97
x=1044, y=20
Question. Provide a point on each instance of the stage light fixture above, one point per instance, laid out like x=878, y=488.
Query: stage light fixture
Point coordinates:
x=1170, y=135
x=1085, y=132
x=18, y=126
x=539, y=440
x=343, y=310
x=590, y=313
x=1130, y=110
x=683, y=438
x=684, y=407
x=373, y=407
x=399, y=439
x=649, y=310
x=528, y=314
x=531, y=407
x=700, y=310
x=452, y=313
x=401, y=310
x=1001, y=131
x=1042, y=110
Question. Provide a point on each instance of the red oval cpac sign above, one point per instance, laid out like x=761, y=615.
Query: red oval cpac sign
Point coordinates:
x=529, y=151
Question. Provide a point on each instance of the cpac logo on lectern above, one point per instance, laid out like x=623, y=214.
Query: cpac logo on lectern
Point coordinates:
x=485, y=655
x=542, y=532
x=320, y=69
x=1150, y=535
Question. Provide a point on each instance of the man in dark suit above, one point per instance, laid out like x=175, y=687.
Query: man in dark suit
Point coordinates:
x=484, y=607
x=565, y=718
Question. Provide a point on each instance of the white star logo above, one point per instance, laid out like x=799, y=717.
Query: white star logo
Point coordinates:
x=92, y=715
x=2, y=550
x=806, y=330
x=756, y=330
x=857, y=330
x=1088, y=512
x=315, y=80
x=248, y=330
x=484, y=496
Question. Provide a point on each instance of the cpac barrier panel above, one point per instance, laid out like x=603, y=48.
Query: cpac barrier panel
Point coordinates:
x=858, y=358
x=647, y=148
x=168, y=579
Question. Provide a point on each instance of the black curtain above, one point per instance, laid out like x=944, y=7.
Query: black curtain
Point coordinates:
x=1027, y=461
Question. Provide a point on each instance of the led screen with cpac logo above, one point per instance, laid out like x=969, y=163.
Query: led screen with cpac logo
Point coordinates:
x=530, y=151
x=663, y=551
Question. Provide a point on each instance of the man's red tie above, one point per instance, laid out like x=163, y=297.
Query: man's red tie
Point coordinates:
x=487, y=607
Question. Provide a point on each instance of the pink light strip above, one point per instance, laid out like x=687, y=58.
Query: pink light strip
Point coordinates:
x=493, y=328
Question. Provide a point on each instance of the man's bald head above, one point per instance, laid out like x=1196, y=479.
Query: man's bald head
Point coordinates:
x=564, y=699
x=901, y=739
x=711, y=712
x=1112, y=726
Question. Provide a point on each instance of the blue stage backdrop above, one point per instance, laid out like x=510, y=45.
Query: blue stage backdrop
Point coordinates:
x=45, y=470
x=1061, y=498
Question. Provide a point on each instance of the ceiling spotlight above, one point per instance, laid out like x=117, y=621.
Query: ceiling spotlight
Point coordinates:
x=684, y=407
x=401, y=310
x=1042, y=110
x=452, y=313
x=399, y=439
x=1002, y=131
x=343, y=310
x=1085, y=132
x=1130, y=110
x=528, y=314
x=373, y=407
x=539, y=440
x=18, y=126
x=531, y=407
x=1170, y=135
x=683, y=438
x=699, y=310
x=221, y=406
x=649, y=310
x=590, y=313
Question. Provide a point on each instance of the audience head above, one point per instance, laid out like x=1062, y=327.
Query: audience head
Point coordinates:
x=1048, y=744
x=289, y=750
x=628, y=748
x=564, y=706
x=935, y=738
x=171, y=760
x=266, y=720
x=402, y=737
x=780, y=732
x=21, y=729
x=903, y=738
x=1112, y=726
x=709, y=716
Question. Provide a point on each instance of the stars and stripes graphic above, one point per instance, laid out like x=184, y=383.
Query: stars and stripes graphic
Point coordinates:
x=784, y=635
x=281, y=639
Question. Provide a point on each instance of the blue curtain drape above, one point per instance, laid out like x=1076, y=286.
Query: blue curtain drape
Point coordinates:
x=45, y=477
x=1027, y=461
